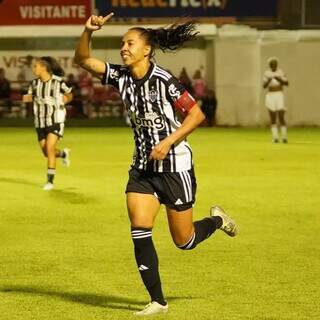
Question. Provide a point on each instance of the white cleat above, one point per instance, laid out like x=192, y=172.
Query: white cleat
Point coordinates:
x=152, y=308
x=66, y=160
x=229, y=226
x=48, y=186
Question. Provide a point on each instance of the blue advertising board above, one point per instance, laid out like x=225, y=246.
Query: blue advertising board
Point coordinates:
x=192, y=8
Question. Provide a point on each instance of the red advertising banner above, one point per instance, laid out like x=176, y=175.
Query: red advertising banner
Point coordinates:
x=44, y=12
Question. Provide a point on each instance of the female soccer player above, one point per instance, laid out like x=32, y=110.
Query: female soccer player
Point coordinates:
x=49, y=94
x=274, y=80
x=162, y=169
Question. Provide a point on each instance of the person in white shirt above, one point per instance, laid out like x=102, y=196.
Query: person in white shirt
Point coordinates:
x=274, y=80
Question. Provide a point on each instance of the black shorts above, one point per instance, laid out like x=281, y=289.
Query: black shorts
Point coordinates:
x=176, y=190
x=57, y=129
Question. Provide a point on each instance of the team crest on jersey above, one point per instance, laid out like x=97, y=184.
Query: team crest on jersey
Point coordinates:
x=153, y=94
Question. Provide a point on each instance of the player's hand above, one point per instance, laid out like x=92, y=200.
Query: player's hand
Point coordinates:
x=27, y=98
x=95, y=23
x=160, y=151
x=278, y=78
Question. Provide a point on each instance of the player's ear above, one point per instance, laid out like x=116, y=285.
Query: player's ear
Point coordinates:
x=147, y=50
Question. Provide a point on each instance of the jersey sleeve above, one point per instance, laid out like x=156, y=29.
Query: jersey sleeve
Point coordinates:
x=282, y=76
x=31, y=88
x=64, y=88
x=112, y=75
x=180, y=97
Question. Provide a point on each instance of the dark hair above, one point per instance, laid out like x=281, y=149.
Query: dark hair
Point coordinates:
x=52, y=66
x=169, y=38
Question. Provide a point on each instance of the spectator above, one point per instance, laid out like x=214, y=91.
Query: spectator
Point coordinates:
x=5, y=89
x=77, y=101
x=25, y=75
x=209, y=106
x=185, y=80
x=199, y=85
x=86, y=89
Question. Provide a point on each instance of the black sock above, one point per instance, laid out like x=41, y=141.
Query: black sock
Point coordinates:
x=61, y=154
x=147, y=262
x=50, y=174
x=203, y=229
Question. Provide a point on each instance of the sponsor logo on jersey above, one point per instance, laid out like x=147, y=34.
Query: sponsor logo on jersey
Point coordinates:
x=150, y=120
x=114, y=74
x=173, y=91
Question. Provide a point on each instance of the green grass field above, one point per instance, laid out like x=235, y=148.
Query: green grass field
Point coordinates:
x=67, y=254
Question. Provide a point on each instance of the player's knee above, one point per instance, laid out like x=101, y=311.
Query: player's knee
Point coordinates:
x=50, y=150
x=184, y=243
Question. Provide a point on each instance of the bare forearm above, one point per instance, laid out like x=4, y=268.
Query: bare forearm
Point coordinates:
x=191, y=122
x=83, y=48
x=266, y=83
x=67, y=98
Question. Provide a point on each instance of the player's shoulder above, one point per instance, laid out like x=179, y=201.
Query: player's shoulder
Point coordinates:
x=117, y=70
x=55, y=77
x=280, y=71
x=162, y=73
x=118, y=67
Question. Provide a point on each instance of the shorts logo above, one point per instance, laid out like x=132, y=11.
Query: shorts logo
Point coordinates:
x=151, y=120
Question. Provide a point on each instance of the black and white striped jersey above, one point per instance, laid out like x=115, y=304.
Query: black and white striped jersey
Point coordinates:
x=151, y=103
x=48, y=106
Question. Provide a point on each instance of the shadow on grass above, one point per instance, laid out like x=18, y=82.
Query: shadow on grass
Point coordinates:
x=66, y=195
x=96, y=300
x=70, y=196
x=18, y=181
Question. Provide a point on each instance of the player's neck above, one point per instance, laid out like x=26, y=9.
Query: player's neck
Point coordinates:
x=45, y=77
x=140, y=69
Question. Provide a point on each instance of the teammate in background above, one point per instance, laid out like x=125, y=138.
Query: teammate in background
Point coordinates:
x=49, y=94
x=162, y=170
x=274, y=80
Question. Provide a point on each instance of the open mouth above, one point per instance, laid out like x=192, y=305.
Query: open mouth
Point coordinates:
x=125, y=55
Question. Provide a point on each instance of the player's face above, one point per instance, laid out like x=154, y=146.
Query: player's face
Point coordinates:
x=133, y=48
x=273, y=65
x=38, y=68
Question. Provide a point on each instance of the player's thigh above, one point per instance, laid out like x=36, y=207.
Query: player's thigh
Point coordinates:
x=281, y=114
x=273, y=116
x=42, y=144
x=51, y=142
x=180, y=225
x=142, y=209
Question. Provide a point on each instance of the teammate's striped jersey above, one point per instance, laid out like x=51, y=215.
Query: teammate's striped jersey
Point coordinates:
x=48, y=106
x=151, y=104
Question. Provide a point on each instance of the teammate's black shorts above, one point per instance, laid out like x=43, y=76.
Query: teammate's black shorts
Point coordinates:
x=176, y=190
x=57, y=129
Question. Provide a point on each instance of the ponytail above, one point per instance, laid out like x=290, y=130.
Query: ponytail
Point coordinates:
x=52, y=65
x=170, y=38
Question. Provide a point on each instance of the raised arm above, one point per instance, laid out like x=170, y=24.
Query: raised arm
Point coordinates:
x=82, y=53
